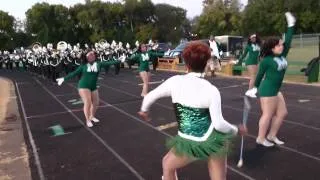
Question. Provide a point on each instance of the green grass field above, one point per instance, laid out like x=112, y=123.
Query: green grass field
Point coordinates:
x=298, y=58
x=304, y=54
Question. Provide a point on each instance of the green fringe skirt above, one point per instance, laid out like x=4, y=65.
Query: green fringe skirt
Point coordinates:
x=217, y=144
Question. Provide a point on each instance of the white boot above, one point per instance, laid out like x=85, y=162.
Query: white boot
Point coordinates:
x=89, y=124
x=265, y=143
x=275, y=140
x=95, y=120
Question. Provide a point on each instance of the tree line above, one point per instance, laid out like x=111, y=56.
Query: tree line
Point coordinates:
x=132, y=20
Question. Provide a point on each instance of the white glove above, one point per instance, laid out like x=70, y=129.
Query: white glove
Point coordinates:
x=252, y=92
x=234, y=61
x=122, y=58
x=60, y=81
x=291, y=20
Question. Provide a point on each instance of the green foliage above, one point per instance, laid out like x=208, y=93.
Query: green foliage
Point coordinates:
x=141, y=20
x=6, y=23
x=95, y=20
x=49, y=23
x=171, y=23
x=218, y=18
x=6, y=30
x=267, y=16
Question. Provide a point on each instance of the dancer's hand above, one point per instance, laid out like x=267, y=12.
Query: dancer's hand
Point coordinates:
x=235, y=61
x=60, y=81
x=242, y=130
x=252, y=92
x=144, y=115
x=291, y=20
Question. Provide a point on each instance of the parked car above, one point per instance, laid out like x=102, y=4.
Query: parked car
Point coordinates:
x=163, y=47
x=177, y=52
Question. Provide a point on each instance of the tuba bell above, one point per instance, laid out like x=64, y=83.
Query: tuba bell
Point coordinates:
x=36, y=47
x=102, y=42
x=62, y=46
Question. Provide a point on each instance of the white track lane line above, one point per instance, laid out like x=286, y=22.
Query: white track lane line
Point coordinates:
x=238, y=109
x=33, y=144
x=162, y=132
x=94, y=134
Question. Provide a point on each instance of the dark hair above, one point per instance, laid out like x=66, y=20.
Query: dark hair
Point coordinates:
x=258, y=40
x=140, y=46
x=268, y=45
x=196, y=55
x=83, y=58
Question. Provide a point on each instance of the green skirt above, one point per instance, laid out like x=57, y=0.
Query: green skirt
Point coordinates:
x=217, y=144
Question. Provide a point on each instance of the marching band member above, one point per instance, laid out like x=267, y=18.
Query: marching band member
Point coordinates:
x=1, y=60
x=55, y=65
x=8, y=60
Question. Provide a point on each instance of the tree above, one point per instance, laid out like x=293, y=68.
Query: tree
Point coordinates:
x=219, y=17
x=307, y=12
x=6, y=30
x=6, y=23
x=171, y=23
x=267, y=16
x=21, y=39
x=96, y=20
x=37, y=18
x=138, y=13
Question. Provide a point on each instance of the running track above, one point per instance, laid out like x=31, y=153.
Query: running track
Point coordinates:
x=122, y=146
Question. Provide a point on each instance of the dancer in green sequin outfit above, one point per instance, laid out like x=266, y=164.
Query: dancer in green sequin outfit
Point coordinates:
x=251, y=53
x=272, y=68
x=143, y=59
x=202, y=131
x=87, y=85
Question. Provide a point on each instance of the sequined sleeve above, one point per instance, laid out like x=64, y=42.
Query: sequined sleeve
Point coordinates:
x=219, y=123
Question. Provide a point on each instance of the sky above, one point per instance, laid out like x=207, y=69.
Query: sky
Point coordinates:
x=17, y=8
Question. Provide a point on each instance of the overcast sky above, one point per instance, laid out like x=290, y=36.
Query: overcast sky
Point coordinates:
x=17, y=8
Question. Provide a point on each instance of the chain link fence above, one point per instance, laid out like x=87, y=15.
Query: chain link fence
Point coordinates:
x=304, y=48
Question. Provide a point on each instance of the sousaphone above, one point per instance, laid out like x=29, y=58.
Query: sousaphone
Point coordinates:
x=36, y=47
x=62, y=46
x=102, y=42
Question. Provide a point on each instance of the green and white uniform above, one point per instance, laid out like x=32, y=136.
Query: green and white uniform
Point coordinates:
x=273, y=68
x=89, y=74
x=253, y=52
x=144, y=59
x=202, y=130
